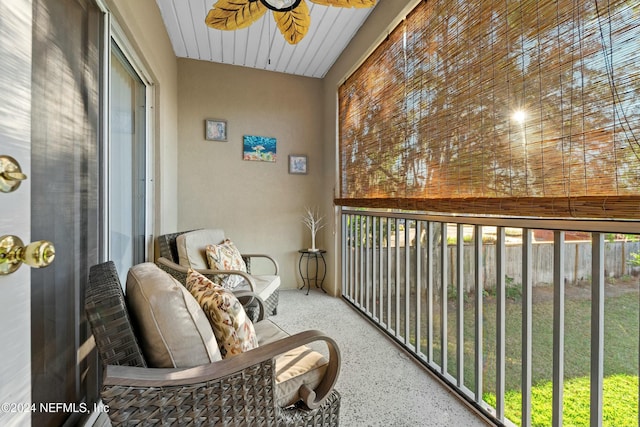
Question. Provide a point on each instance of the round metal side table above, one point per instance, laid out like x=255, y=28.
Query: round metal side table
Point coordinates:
x=306, y=278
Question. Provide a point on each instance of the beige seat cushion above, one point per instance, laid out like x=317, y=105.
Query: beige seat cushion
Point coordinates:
x=266, y=284
x=191, y=247
x=299, y=366
x=268, y=332
x=173, y=330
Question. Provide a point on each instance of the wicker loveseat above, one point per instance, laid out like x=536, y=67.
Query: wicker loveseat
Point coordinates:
x=186, y=249
x=236, y=391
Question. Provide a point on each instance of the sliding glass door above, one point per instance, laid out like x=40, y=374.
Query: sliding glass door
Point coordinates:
x=127, y=164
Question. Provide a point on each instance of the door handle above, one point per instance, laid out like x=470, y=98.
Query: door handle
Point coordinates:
x=10, y=174
x=13, y=253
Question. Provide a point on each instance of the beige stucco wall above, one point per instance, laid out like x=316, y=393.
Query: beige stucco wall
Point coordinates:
x=207, y=184
x=258, y=204
x=142, y=23
x=380, y=22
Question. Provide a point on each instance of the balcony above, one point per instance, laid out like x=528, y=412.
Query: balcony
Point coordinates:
x=528, y=321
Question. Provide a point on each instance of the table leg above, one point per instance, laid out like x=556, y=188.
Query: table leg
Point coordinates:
x=306, y=280
x=302, y=275
x=324, y=272
x=308, y=277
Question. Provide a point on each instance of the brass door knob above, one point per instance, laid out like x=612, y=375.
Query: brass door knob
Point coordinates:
x=13, y=253
x=10, y=174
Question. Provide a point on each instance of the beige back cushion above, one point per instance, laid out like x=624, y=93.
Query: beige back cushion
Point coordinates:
x=191, y=247
x=172, y=329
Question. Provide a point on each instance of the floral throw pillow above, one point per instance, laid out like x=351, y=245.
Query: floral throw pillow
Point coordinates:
x=226, y=256
x=231, y=325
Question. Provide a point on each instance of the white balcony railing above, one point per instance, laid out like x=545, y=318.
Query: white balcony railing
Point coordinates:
x=525, y=319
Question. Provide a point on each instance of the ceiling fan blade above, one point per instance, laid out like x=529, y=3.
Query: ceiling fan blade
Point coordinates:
x=294, y=24
x=234, y=14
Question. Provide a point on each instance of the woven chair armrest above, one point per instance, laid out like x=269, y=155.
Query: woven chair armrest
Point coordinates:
x=128, y=376
x=269, y=257
x=180, y=272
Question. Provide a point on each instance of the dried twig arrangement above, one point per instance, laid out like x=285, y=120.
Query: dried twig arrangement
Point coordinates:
x=314, y=222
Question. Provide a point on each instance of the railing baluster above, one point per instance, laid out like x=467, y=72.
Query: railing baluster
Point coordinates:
x=361, y=264
x=407, y=282
x=500, y=321
x=444, y=246
x=374, y=282
x=350, y=257
x=357, y=256
x=460, y=314
x=558, y=327
x=397, y=277
x=418, y=287
x=367, y=262
x=356, y=233
x=597, y=328
x=527, y=314
x=389, y=222
x=479, y=363
x=354, y=264
x=429, y=266
x=383, y=248
x=343, y=253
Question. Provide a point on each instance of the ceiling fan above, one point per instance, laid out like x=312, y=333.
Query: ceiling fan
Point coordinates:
x=291, y=16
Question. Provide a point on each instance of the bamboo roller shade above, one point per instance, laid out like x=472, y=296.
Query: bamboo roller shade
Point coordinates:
x=528, y=108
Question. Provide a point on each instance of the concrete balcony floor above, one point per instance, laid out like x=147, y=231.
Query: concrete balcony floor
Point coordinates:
x=380, y=384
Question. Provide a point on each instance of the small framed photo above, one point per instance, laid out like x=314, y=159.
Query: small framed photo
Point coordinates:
x=298, y=164
x=215, y=130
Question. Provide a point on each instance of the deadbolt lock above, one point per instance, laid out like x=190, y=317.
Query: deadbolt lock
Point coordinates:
x=13, y=253
x=10, y=174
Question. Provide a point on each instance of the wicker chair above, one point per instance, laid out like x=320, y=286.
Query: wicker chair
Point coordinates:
x=169, y=262
x=237, y=391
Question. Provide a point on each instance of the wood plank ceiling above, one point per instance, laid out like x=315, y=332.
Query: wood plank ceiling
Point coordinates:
x=261, y=45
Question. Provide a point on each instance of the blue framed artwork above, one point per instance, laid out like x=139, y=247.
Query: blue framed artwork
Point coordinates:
x=259, y=148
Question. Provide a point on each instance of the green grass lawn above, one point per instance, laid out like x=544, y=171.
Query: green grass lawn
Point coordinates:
x=620, y=399
x=621, y=338
x=620, y=367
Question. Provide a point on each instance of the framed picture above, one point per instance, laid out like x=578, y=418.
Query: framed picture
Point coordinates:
x=259, y=148
x=215, y=130
x=298, y=164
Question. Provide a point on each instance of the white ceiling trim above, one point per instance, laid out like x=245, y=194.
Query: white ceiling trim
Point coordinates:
x=261, y=45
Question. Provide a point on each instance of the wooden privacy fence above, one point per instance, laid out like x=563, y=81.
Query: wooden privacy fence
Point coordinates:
x=577, y=263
